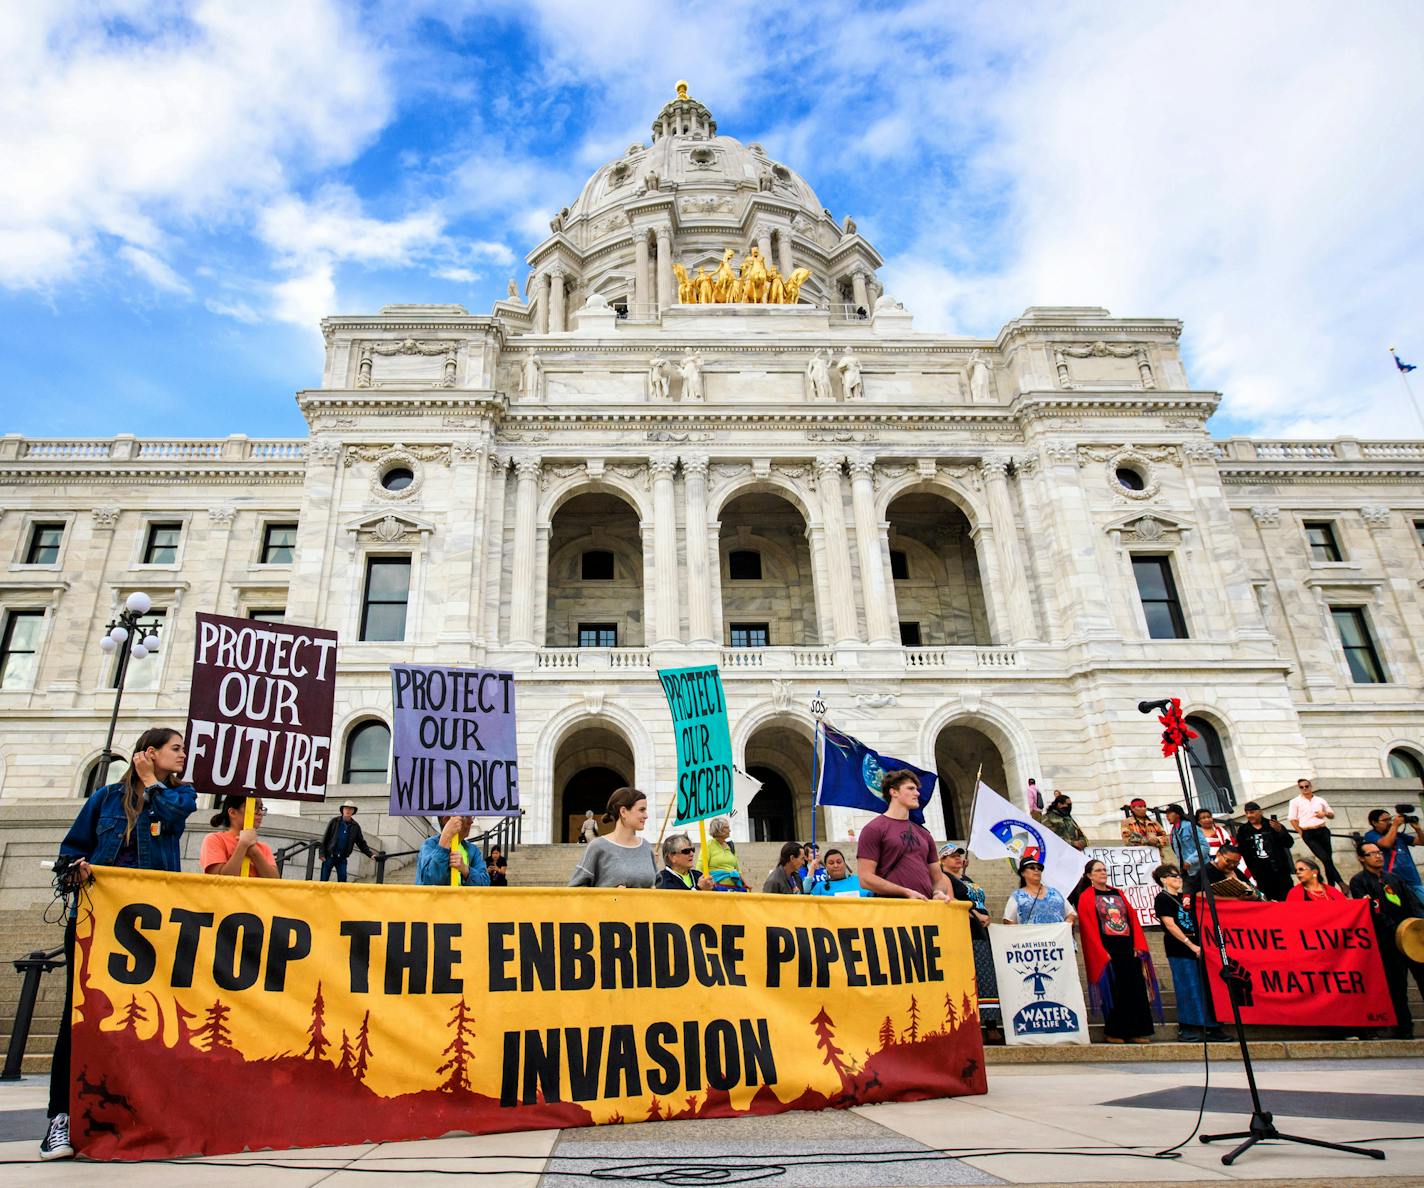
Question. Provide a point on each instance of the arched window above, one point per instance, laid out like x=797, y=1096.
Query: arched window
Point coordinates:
x=368, y=750
x=1405, y=765
x=1208, y=753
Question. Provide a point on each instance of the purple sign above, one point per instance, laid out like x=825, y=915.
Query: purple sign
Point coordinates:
x=453, y=750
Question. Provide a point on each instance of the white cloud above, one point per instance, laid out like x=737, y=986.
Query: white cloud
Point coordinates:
x=333, y=227
x=239, y=311
x=118, y=118
x=153, y=270
x=462, y=276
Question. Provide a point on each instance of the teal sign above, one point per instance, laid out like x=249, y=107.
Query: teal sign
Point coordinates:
x=704, y=742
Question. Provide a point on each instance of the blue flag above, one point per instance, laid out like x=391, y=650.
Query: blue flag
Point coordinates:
x=1400, y=363
x=851, y=771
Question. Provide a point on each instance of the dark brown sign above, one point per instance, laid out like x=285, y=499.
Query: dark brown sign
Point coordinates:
x=259, y=718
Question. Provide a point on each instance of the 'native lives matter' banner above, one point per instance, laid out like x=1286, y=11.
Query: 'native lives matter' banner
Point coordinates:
x=704, y=742
x=333, y=1013
x=453, y=747
x=259, y=717
x=1130, y=871
x=1039, y=992
x=1309, y=963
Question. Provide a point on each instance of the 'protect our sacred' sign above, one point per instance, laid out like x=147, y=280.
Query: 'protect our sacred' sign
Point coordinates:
x=704, y=742
x=259, y=715
x=453, y=744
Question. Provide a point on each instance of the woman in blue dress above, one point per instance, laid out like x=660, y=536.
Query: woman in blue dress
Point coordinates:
x=1035, y=902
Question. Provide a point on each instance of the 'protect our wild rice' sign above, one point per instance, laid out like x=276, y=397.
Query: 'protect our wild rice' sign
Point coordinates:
x=259, y=715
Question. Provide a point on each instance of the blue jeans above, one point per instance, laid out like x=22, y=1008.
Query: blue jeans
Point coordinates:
x=327, y=864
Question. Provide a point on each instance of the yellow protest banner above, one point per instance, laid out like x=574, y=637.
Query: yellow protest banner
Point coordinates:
x=213, y=1014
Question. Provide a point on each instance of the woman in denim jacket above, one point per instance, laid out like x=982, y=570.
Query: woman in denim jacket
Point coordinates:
x=136, y=822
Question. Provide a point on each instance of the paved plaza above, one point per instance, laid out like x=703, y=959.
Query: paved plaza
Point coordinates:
x=1093, y=1123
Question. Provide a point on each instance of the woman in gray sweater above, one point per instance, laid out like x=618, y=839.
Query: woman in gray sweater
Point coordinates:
x=620, y=858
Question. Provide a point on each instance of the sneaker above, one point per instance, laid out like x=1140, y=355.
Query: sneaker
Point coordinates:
x=1189, y=1035
x=1217, y=1036
x=56, y=1139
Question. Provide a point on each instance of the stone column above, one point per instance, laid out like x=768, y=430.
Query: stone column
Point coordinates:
x=860, y=295
x=665, y=548
x=764, y=242
x=541, y=293
x=526, y=545
x=821, y=582
x=667, y=283
x=487, y=629
x=558, y=318
x=783, y=251
x=641, y=275
x=699, y=579
x=464, y=551
x=1018, y=610
x=828, y=486
x=875, y=586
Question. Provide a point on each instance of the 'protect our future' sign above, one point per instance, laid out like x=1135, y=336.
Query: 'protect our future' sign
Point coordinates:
x=704, y=742
x=259, y=715
x=453, y=749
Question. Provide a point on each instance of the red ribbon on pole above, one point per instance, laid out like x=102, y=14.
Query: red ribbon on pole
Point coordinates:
x=1175, y=731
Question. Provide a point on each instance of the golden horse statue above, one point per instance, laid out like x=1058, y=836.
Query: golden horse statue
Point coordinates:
x=703, y=281
x=792, y=285
x=686, y=295
x=724, y=278
x=754, y=277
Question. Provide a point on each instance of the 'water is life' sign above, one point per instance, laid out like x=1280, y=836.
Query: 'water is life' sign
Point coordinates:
x=1039, y=992
x=704, y=742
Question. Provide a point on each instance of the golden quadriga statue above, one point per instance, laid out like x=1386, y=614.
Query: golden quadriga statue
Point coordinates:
x=755, y=282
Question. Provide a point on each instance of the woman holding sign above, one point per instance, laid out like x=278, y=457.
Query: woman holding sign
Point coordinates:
x=223, y=851
x=1121, y=980
x=136, y=822
x=620, y=858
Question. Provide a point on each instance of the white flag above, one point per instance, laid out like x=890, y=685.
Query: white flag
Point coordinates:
x=1001, y=830
x=1039, y=993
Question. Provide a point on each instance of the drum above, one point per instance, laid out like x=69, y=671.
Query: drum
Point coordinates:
x=1409, y=939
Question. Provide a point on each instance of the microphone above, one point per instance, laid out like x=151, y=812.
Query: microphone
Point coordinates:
x=1151, y=707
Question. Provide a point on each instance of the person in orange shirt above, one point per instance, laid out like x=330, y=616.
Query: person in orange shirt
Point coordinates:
x=223, y=851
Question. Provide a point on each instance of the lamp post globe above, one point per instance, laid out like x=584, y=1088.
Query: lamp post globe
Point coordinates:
x=138, y=603
x=108, y=646
x=119, y=634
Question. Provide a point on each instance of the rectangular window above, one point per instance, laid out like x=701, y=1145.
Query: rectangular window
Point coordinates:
x=598, y=635
x=750, y=635
x=1359, y=645
x=387, y=595
x=899, y=565
x=161, y=547
x=142, y=675
x=1159, y=597
x=910, y=635
x=744, y=565
x=278, y=541
x=1323, y=545
x=19, y=649
x=271, y=614
x=43, y=548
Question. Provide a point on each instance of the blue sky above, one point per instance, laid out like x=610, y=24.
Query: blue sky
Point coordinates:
x=191, y=186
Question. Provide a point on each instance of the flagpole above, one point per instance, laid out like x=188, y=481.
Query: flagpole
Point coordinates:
x=1408, y=387
x=973, y=803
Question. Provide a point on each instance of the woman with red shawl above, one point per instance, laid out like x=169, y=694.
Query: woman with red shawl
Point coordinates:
x=1121, y=981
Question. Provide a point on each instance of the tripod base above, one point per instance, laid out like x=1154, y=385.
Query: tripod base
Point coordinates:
x=1263, y=1127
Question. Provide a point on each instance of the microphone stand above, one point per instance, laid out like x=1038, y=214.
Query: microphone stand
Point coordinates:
x=1261, y=1126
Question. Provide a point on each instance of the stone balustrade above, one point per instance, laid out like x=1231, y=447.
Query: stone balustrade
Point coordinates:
x=125, y=447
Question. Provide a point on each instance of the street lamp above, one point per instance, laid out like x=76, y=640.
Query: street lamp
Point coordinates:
x=141, y=640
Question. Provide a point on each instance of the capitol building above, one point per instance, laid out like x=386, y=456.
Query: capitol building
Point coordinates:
x=704, y=432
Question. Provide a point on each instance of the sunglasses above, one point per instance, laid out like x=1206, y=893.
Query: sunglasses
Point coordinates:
x=1031, y=866
x=685, y=852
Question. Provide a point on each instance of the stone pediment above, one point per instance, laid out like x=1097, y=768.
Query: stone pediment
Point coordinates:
x=389, y=527
x=1150, y=528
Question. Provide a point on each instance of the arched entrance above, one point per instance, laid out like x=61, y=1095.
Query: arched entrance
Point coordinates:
x=779, y=755
x=962, y=752
x=768, y=589
x=595, y=574
x=591, y=763
x=939, y=594
x=1213, y=789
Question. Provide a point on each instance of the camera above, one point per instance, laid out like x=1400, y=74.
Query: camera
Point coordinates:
x=1407, y=812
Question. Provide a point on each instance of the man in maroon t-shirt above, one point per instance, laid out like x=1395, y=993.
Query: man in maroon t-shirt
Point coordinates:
x=895, y=858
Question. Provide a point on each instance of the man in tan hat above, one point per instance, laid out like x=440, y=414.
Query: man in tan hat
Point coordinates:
x=341, y=837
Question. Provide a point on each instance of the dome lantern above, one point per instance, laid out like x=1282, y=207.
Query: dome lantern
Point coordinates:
x=684, y=116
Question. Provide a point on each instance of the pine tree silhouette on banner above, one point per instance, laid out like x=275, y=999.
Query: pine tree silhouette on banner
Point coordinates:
x=914, y=1030
x=887, y=1033
x=825, y=1041
x=655, y=1110
x=968, y=1010
x=317, y=1046
x=363, y=1049
x=213, y=1034
x=344, y=1064
x=951, y=1016
x=133, y=1015
x=458, y=1050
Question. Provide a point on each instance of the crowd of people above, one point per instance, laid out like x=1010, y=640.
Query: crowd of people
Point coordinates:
x=139, y=820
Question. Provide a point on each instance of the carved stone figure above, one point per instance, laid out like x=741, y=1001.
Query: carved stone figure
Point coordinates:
x=818, y=376
x=513, y=290
x=849, y=367
x=849, y=225
x=660, y=379
x=650, y=182
x=692, y=377
x=531, y=377
x=979, y=378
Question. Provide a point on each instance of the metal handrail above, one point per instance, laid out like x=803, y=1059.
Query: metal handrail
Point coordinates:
x=507, y=835
x=33, y=967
